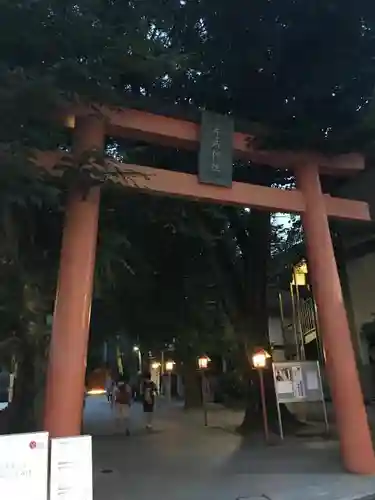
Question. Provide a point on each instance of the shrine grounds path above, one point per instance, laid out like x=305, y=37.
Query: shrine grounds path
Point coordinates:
x=183, y=460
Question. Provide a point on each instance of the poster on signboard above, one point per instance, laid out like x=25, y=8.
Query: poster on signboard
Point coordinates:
x=71, y=468
x=283, y=376
x=24, y=466
x=299, y=391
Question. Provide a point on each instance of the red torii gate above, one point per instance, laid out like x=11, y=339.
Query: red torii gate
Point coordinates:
x=68, y=350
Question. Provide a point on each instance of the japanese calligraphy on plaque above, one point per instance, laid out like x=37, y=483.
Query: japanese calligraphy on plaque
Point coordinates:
x=216, y=150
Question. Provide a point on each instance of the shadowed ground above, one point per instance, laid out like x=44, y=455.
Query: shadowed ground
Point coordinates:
x=182, y=460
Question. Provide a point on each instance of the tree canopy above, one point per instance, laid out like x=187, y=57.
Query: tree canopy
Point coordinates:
x=301, y=70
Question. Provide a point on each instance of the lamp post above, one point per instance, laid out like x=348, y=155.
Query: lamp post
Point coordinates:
x=162, y=368
x=259, y=363
x=169, y=365
x=203, y=365
x=137, y=350
x=156, y=367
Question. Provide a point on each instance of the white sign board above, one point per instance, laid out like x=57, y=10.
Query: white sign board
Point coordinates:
x=295, y=382
x=312, y=381
x=71, y=468
x=24, y=466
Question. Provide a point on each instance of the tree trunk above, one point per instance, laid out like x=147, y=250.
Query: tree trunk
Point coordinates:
x=254, y=329
x=22, y=407
x=192, y=388
x=26, y=409
x=253, y=418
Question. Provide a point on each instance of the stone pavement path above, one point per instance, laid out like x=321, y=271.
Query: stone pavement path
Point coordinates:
x=182, y=460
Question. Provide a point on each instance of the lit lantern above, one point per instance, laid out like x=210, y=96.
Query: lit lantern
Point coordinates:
x=203, y=362
x=169, y=365
x=259, y=360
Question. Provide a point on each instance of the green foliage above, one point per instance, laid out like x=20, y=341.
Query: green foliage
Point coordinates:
x=161, y=290
x=303, y=71
x=51, y=54
x=54, y=53
x=90, y=49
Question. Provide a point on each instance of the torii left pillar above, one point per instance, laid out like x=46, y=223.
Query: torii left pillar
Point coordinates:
x=71, y=319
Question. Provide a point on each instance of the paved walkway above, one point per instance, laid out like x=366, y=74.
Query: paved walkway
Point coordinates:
x=182, y=460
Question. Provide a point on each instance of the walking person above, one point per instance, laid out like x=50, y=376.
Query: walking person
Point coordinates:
x=109, y=384
x=149, y=392
x=122, y=399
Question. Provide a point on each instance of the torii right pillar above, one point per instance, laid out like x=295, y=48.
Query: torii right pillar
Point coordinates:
x=351, y=418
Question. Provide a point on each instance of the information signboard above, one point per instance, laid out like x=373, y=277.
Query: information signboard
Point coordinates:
x=24, y=466
x=297, y=382
x=71, y=469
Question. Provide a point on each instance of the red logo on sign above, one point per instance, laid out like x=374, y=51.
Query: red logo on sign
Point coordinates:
x=32, y=445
